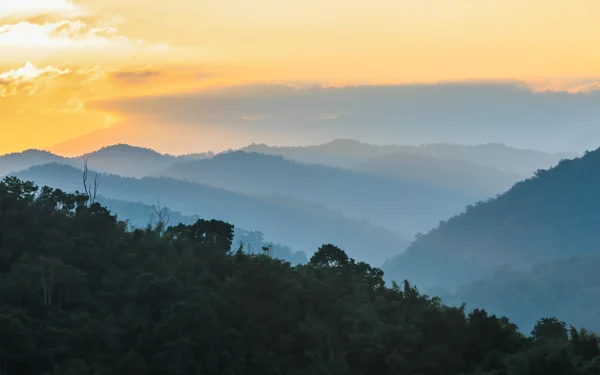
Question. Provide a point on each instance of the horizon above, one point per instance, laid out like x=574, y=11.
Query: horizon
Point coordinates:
x=271, y=146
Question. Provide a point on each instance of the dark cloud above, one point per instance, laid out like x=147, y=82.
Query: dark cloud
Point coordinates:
x=134, y=77
x=451, y=112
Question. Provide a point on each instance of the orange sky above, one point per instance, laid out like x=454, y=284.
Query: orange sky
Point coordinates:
x=57, y=55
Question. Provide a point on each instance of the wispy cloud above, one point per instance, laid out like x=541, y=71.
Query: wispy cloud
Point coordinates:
x=135, y=77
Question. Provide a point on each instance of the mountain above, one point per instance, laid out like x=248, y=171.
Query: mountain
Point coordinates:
x=349, y=153
x=304, y=231
x=444, y=173
x=567, y=289
x=128, y=161
x=553, y=215
x=121, y=159
x=26, y=159
x=397, y=204
x=344, y=153
x=82, y=294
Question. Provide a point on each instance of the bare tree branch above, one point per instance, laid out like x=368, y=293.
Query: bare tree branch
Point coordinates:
x=163, y=216
x=85, y=175
x=91, y=191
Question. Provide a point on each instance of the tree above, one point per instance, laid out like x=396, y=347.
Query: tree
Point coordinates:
x=329, y=256
x=91, y=189
x=550, y=329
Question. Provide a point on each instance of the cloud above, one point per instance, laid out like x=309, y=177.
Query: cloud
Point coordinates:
x=27, y=79
x=63, y=34
x=87, y=37
x=50, y=89
x=587, y=88
x=135, y=77
x=506, y=112
x=26, y=8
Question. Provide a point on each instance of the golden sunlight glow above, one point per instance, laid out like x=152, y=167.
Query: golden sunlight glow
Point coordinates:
x=34, y=7
x=57, y=55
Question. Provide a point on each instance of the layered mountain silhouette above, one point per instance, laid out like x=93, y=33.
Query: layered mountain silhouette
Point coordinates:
x=121, y=159
x=551, y=216
x=351, y=153
x=304, y=230
x=398, y=204
x=444, y=173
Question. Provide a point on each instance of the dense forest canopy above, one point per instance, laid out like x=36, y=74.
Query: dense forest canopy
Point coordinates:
x=82, y=294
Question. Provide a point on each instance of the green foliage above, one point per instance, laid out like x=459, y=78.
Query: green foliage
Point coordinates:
x=81, y=294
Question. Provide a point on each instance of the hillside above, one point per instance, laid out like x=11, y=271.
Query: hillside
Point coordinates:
x=26, y=159
x=347, y=153
x=553, y=215
x=139, y=216
x=81, y=294
x=300, y=230
x=567, y=289
x=397, y=204
x=127, y=161
x=121, y=159
x=444, y=173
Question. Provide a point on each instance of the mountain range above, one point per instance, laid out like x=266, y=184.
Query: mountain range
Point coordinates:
x=512, y=253
x=304, y=230
x=516, y=254
x=400, y=204
x=374, y=197
x=350, y=153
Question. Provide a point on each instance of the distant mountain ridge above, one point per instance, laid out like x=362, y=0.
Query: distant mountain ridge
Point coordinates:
x=449, y=173
x=349, y=153
x=121, y=159
x=398, y=204
x=304, y=231
x=553, y=215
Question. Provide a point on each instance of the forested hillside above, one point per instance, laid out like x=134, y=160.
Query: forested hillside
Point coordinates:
x=140, y=216
x=567, y=289
x=280, y=222
x=553, y=215
x=80, y=294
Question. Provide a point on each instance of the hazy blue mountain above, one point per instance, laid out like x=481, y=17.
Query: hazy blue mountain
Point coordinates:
x=26, y=159
x=567, y=289
x=494, y=155
x=553, y=215
x=345, y=153
x=304, y=231
x=140, y=215
x=445, y=173
x=118, y=159
x=130, y=161
x=398, y=204
x=349, y=153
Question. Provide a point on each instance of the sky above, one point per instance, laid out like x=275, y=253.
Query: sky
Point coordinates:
x=191, y=75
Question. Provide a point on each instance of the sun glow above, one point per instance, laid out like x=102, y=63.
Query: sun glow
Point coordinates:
x=27, y=8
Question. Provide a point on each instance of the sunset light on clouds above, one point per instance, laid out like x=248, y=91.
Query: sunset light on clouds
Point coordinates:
x=59, y=58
